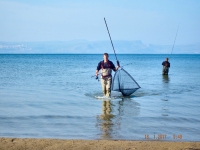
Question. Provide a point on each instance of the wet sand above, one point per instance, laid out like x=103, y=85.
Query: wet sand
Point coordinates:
x=54, y=144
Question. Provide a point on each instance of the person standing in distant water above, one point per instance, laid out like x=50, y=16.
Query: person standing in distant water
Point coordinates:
x=166, y=66
x=106, y=67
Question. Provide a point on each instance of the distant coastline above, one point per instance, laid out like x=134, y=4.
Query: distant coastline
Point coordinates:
x=94, y=47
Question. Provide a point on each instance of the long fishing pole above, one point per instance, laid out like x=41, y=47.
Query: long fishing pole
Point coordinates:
x=111, y=42
x=174, y=41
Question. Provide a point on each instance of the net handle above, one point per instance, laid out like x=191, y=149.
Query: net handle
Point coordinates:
x=111, y=42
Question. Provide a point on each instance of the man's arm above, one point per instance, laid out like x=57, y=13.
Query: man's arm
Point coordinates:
x=97, y=71
x=115, y=68
x=98, y=68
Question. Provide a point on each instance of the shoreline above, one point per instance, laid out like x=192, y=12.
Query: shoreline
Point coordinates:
x=51, y=144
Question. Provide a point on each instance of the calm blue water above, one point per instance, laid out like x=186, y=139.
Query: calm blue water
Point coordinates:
x=53, y=96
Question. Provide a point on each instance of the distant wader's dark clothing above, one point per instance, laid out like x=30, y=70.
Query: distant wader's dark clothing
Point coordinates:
x=166, y=66
x=106, y=76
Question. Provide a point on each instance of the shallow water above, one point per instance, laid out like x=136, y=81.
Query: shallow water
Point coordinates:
x=53, y=96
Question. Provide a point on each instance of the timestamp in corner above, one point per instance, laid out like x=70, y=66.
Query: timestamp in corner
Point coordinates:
x=163, y=137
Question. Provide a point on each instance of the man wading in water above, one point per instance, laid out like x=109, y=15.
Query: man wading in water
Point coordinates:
x=166, y=66
x=106, y=67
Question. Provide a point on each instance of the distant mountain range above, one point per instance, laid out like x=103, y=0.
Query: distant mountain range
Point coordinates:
x=94, y=47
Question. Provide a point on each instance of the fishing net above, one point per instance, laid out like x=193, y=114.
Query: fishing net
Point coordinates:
x=123, y=82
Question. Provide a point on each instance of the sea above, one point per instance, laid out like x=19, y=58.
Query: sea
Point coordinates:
x=55, y=96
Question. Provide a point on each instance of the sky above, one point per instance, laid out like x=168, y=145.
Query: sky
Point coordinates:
x=151, y=21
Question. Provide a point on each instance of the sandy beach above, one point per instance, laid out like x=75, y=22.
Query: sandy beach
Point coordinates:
x=52, y=144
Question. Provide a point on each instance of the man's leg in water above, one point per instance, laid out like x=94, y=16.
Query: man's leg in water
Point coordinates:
x=165, y=70
x=108, y=86
x=103, y=84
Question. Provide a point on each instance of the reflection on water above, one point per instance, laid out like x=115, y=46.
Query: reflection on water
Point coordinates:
x=106, y=117
x=109, y=122
x=165, y=78
x=165, y=99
